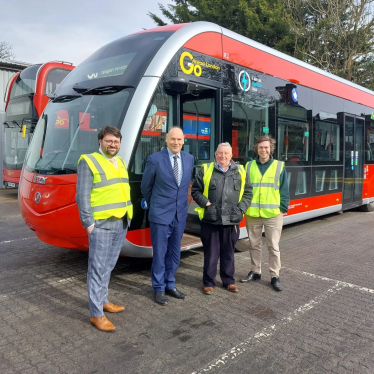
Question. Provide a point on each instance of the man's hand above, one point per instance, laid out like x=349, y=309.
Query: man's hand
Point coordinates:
x=208, y=203
x=89, y=229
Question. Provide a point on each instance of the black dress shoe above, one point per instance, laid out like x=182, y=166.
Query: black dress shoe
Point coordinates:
x=251, y=277
x=175, y=293
x=161, y=298
x=276, y=284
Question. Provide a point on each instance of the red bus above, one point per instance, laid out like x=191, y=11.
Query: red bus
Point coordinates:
x=220, y=87
x=25, y=99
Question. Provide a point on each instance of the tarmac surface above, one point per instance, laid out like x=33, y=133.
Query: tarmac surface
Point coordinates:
x=322, y=322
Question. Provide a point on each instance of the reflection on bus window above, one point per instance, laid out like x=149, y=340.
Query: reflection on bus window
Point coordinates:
x=301, y=183
x=288, y=179
x=333, y=180
x=69, y=128
x=54, y=79
x=197, y=129
x=25, y=82
x=156, y=125
x=326, y=141
x=15, y=148
x=249, y=118
x=293, y=143
x=369, y=148
x=320, y=180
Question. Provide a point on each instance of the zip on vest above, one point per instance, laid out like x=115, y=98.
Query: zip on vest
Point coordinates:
x=105, y=187
x=271, y=207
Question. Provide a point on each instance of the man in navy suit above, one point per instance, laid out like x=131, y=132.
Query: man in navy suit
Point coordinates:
x=165, y=182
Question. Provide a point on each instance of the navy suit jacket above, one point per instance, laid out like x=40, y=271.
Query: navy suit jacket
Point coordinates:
x=159, y=187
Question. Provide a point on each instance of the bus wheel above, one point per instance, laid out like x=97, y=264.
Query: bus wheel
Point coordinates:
x=367, y=207
x=242, y=245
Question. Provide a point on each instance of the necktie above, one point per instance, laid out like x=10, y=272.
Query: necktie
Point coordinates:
x=176, y=169
x=113, y=162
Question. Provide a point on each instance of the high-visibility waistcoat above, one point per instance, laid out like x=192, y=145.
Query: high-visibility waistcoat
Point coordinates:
x=266, y=197
x=110, y=194
x=208, y=171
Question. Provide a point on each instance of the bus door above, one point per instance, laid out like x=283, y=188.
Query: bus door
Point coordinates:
x=353, y=160
x=198, y=117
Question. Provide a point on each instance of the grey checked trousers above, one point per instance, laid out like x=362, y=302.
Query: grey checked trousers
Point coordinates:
x=104, y=249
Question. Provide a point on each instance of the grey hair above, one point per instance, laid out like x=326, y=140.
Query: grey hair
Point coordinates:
x=226, y=144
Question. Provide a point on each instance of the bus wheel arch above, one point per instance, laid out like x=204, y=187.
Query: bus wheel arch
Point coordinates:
x=367, y=207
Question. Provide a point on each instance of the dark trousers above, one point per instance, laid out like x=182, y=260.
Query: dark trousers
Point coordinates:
x=219, y=242
x=166, y=242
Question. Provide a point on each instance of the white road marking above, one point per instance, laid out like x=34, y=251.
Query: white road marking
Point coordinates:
x=16, y=240
x=345, y=284
x=268, y=331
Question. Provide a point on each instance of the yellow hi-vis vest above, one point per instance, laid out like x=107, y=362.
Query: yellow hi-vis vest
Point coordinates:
x=208, y=171
x=265, y=201
x=110, y=194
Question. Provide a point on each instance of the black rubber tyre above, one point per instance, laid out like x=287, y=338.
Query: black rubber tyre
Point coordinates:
x=242, y=245
x=367, y=207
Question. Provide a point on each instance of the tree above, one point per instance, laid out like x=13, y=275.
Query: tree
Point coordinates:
x=261, y=20
x=6, y=51
x=336, y=36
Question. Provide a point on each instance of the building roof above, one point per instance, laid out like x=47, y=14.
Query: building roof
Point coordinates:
x=12, y=65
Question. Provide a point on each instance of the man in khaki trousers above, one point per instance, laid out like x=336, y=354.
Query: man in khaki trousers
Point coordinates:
x=270, y=200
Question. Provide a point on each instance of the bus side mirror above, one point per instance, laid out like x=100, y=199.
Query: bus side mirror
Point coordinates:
x=175, y=86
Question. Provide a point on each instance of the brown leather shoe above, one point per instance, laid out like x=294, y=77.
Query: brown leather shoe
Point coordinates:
x=208, y=290
x=102, y=323
x=233, y=288
x=112, y=308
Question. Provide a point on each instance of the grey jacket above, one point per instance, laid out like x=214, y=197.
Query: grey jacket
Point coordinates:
x=83, y=198
x=224, y=190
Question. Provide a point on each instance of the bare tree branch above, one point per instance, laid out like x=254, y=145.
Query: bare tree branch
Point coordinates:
x=6, y=51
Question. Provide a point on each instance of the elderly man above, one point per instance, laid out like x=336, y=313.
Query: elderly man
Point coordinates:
x=270, y=200
x=223, y=195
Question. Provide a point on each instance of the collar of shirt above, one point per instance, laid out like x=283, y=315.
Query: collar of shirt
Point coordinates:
x=171, y=154
x=114, y=158
x=221, y=168
x=259, y=162
x=179, y=161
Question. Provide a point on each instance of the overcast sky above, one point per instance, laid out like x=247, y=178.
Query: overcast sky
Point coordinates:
x=70, y=30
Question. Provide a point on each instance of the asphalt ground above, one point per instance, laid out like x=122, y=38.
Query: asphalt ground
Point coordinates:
x=322, y=322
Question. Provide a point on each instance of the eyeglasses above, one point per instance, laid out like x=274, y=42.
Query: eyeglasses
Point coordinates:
x=112, y=142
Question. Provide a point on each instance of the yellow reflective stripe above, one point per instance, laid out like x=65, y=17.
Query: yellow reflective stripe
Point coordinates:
x=248, y=167
x=277, y=174
x=243, y=175
x=124, y=164
x=206, y=181
x=110, y=182
x=110, y=206
x=207, y=176
x=104, y=181
x=262, y=184
x=264, y=206
x=97, y=166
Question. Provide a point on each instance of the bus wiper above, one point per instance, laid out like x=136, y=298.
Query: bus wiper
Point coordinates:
x=104, y=90
x=80, y=89
x=56, y=171
x=65, y=98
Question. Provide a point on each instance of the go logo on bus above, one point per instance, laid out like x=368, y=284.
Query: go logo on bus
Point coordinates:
x=193, y=66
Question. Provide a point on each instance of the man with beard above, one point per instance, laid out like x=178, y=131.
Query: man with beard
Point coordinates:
x=105, y=210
